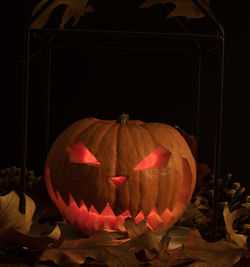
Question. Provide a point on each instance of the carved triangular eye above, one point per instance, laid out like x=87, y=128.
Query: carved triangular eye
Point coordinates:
x=156, y=159
x=78, y=153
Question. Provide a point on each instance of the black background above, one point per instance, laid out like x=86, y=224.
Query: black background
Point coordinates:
x=149, y=86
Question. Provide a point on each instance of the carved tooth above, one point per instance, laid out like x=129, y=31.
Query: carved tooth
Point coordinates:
x=71, y=199
x=134, y=211
x=139, y=217
x=93, y=210
x=82, y=204
x=87, y=204
x=107, y=211
x=167, y=216
x=154, y=220
x=83, y=218
x=125, y=214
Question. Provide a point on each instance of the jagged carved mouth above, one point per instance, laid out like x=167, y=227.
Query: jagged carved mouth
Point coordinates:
x=90, y=220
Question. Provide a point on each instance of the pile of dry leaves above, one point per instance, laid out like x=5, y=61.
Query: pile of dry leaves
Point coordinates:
x=23, y=238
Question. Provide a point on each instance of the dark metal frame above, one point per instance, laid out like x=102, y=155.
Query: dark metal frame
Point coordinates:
x=218, y=39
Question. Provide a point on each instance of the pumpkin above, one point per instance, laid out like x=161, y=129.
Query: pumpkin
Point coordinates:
x=99, y=172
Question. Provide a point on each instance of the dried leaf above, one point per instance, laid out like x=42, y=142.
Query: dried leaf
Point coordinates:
x=172, y=252
x=75, y=9
x=11, y=218
x=164, y=245
x=112, y=248
x=229, y=219
x=185, y=8
x=175, y=257
x=217, y=254
x=102, y=239
x=13, y=237
x=191, y=215
x=134, y=229
x=103, y=247
x=15, y=227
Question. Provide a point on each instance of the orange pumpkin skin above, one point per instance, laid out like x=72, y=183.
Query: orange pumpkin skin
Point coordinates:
x=154, y=186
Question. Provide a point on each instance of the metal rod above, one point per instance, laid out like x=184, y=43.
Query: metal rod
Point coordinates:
x=47, y=103
x=198, y=97
x=24, y=119
x=165, y=50
x=210, y=15
x=198, y=71
x=217, y=165
x=25, y=105
x=218, y=137
x=132, y=34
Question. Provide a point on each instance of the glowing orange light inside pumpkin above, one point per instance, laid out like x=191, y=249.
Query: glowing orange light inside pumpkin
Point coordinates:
x=156, y=159
x=119, y=180
x=78, y=153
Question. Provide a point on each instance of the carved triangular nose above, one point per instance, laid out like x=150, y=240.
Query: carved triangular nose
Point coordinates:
x=118, y=180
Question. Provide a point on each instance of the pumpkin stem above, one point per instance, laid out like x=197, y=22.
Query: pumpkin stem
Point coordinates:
x=123, y=119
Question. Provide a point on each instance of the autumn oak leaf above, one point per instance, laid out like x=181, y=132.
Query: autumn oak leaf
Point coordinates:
x=12, y=237
x=127, y=249
x=185, y=8
x=10, y=217
x=75, y=9
x=15, y=227
x=229, y=218
x=217, y=254
x=134, y=229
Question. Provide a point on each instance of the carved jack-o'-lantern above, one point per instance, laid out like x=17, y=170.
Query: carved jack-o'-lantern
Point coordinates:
x=99, y=172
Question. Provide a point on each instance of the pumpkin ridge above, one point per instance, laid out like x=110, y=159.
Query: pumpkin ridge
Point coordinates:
x=116, y=149
x=84, y=131
x=119, y=192
x=132, y=138
x=176, y=183
x=106, y=133
x=139, y=179
x=95, y=124
x=152, y=136
x=155, y=145
x=140, y=191
x=115, y=144
x=109, y=128
x=139, y=207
